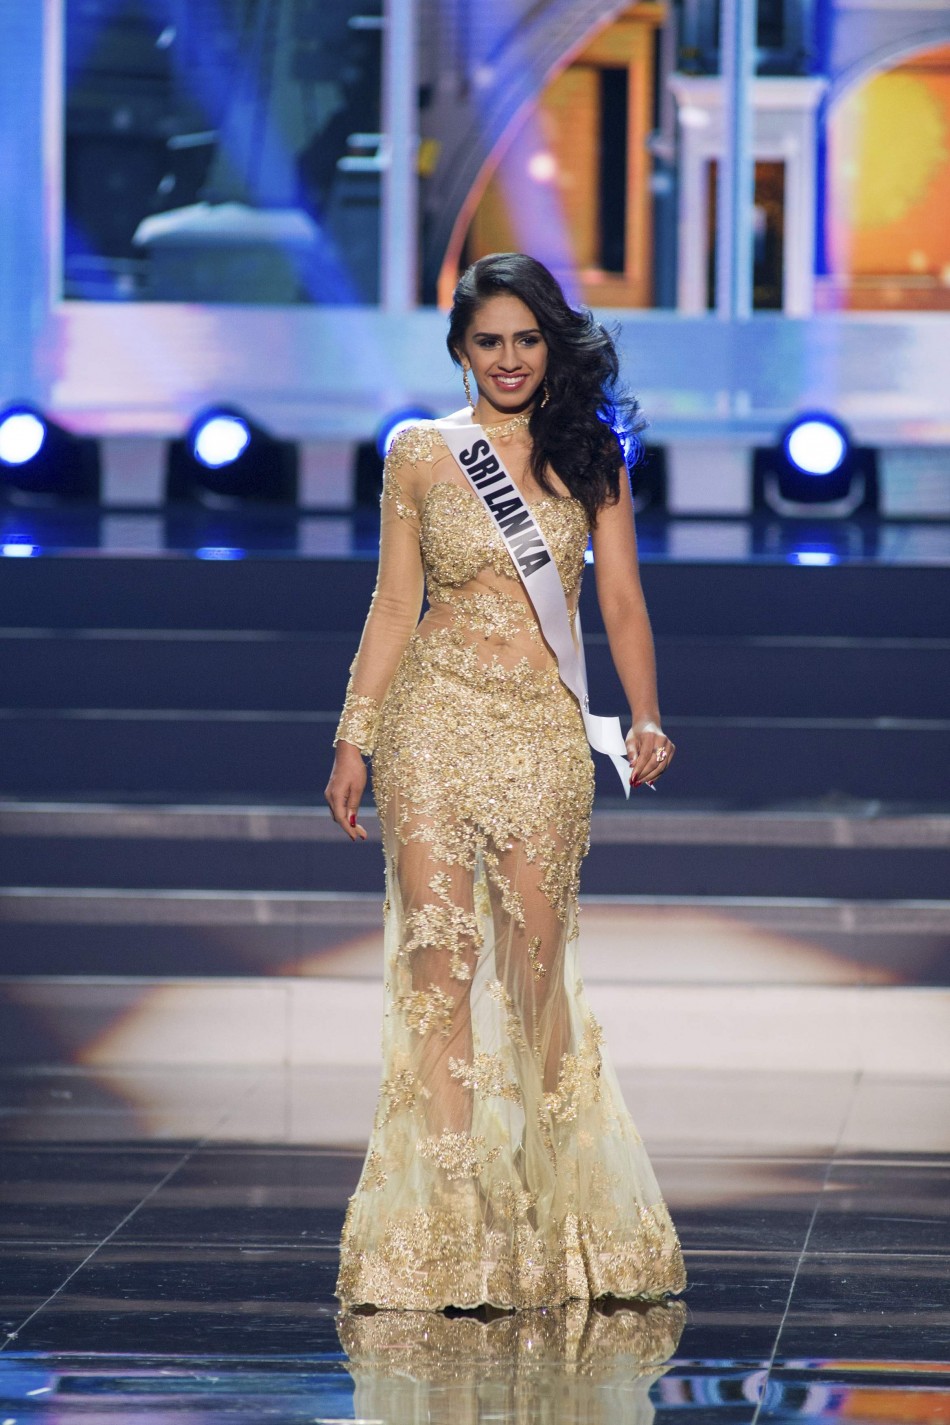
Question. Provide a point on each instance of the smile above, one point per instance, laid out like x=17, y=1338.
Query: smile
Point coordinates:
x=511, y=383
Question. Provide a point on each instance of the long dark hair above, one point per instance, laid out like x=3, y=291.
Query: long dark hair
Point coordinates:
x=588, y=425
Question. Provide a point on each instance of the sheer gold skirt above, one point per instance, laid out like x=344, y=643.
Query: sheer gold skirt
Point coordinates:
x=503, y=1166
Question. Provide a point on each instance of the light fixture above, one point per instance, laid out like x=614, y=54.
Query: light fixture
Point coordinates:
x=220, y=439
x=815, y=469
x=41, y=462
x=227, y=459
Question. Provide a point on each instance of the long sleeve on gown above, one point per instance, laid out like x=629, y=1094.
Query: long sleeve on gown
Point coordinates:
x=393, y=614
x=503, y=1166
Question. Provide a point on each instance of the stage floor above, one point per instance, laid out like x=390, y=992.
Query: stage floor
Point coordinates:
x=163, y=1257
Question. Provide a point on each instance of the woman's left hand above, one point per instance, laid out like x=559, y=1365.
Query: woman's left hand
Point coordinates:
x=650, y=752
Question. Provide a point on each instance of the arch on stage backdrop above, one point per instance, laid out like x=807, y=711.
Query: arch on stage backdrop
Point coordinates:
x=883, y=58
x=501, y=94
x=884, y=243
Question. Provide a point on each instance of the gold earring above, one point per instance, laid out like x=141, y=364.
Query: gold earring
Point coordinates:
x=468, y=389
x=546, y=397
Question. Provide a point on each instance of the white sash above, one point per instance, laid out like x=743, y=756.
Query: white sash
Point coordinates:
x=485, y=471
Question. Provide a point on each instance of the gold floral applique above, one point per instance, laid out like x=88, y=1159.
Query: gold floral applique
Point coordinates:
x=401, y=1090
x=427, y=1009
x=534, y=955
x=578, y=1083
x=447, y=926
x=500, y=995
x=486, y=1074
x=374, y=1173
x=359, y=721
x=459, y=1155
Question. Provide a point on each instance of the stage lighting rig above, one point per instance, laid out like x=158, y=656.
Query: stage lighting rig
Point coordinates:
x=226, y=459
x=815, y=469
x=40, y=462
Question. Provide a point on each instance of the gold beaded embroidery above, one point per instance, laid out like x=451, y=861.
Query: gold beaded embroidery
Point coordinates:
x=447, y=926
x=488, y=612
x=392, y=490
x=359, y=721
x=427, y=1009
x=458, y=1154
x=374, y=1173
x=534, y=955
x=578, y=1084
x=487, y=1075
x=459, y=538
x=432, y=1258
x=401, y=1090
x=500, y=995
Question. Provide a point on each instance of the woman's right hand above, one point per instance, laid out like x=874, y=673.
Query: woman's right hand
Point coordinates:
x=345, y=789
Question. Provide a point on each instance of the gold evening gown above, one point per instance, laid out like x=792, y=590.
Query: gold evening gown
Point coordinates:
x=503, y=1166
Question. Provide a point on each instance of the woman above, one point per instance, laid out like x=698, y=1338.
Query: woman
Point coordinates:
x=503, y=1169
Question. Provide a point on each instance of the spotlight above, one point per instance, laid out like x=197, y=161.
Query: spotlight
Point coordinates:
x=815, y=468
x=815, y=446
x=220, y=440
x=21, y=436
x=226, y=459
x=39, y=460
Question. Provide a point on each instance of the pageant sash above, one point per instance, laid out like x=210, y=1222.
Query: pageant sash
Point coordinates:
x=485, y=471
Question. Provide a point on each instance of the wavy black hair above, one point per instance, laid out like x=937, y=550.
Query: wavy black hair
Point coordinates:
x=589, y=425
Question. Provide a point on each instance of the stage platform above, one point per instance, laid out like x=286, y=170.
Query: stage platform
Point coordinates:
x=169, y=1249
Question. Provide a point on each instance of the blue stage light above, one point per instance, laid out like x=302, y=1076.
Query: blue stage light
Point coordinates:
x=219, y=438
x=22, y=433
x=226, y=456
x=814, y=467
x=40, y=461
x=396, y=422
x=816, y=445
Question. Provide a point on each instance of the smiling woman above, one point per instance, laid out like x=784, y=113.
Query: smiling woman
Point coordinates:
x=505, y=353
x=504, y=1169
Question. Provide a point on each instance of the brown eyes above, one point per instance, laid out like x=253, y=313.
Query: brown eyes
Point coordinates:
x=487, y=342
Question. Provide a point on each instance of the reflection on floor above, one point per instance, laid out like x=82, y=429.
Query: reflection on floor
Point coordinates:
x=162, y=1257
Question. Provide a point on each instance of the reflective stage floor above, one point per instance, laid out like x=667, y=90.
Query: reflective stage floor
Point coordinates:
x=168, y=1247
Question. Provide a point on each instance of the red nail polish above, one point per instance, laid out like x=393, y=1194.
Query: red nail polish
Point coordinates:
x=353, y=819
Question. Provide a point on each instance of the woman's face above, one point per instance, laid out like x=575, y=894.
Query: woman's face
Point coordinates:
x=506, y=354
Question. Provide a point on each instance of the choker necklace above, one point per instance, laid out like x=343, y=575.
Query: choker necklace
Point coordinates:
x=502, y=429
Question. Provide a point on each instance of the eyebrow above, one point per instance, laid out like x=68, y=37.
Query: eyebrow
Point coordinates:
x=528, y=331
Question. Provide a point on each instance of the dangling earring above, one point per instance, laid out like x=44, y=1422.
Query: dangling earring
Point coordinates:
x=547, y=395
x=468, y=389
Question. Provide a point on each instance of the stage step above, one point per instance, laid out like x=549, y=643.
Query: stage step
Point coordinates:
x=642, y=848
x=175, y=679
x=309, y=595
x=157, y=671
x=201, y=890
x=741, y=762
